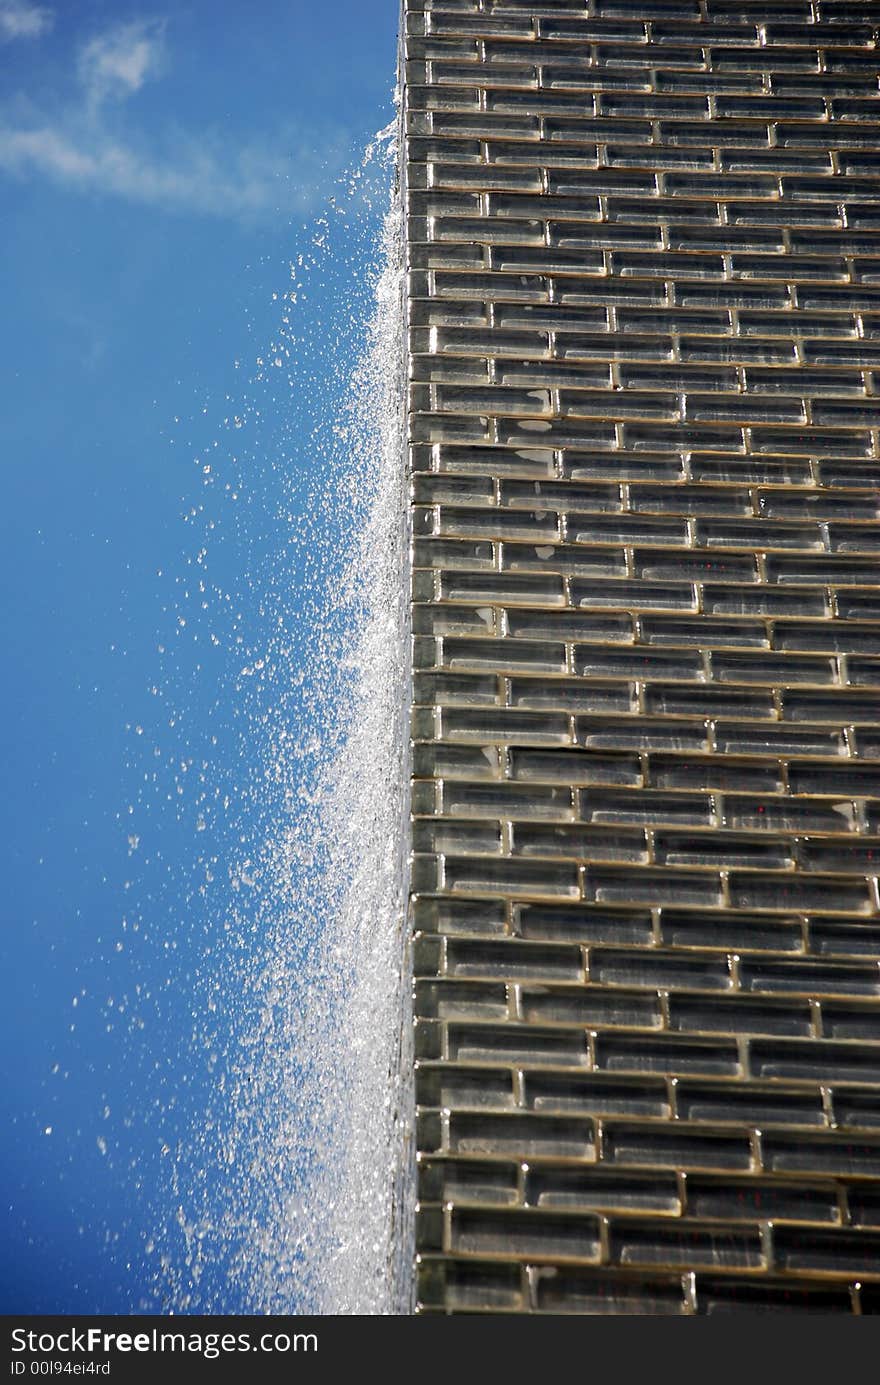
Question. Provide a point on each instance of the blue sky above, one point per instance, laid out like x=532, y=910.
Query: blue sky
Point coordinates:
x=181, y=299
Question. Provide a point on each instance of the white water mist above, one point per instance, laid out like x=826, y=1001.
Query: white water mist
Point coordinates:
x=293, y=1192
x=328, y=1077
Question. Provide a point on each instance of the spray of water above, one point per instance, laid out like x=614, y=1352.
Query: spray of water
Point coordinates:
x=288, y=1167
x=325, y=1075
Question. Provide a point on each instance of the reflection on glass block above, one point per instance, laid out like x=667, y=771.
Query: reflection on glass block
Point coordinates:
x=644, y=316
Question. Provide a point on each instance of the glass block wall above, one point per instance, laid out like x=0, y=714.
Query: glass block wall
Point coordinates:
x=644, y=311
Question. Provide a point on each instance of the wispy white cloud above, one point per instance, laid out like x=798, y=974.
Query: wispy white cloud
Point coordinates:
x=201, y=175
x=91, y=141
x=18, y=19
x=118, y=62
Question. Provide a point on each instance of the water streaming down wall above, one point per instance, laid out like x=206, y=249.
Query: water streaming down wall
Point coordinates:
x=343, y=873
x=285, y=1118
x=369, y=1268
x=644, y=436
x=350, y=1041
